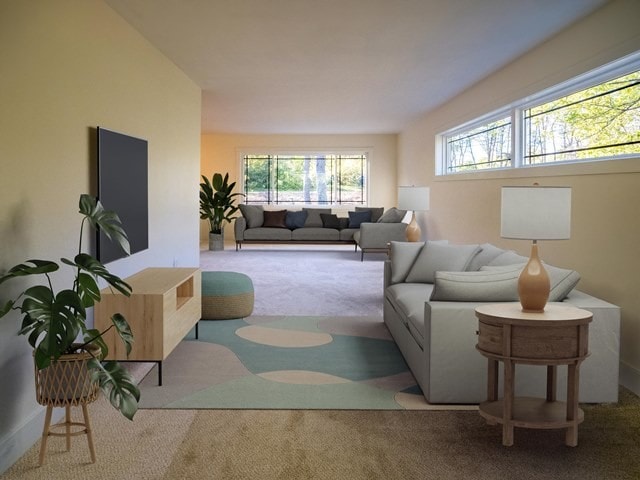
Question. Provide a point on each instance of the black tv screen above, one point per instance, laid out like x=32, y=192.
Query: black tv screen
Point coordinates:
x=123, y=187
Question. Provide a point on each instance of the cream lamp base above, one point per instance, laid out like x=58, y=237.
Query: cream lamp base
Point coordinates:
x=413, y=232
x=533, y=284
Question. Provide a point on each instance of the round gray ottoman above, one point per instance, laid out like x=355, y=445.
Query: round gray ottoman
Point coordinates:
x=226, y=295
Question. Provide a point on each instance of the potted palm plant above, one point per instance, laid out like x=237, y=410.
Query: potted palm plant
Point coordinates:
x=217, y=205
x=55, y=323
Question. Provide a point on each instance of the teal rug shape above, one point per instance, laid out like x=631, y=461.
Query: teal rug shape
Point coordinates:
x=285, y=363
x=350, y=357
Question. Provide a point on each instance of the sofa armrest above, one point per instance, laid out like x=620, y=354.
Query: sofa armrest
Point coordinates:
x=457, y=373
x=239, y=226
x=386, y=279
x=378, y=235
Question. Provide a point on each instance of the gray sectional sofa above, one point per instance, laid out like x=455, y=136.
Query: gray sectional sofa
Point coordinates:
x=371, y=229
x=431, y=291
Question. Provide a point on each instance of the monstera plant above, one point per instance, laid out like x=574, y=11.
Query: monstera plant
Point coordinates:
x=55, y=322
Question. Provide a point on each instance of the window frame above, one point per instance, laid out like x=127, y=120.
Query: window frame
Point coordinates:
x=284, y=152
x=623, y=66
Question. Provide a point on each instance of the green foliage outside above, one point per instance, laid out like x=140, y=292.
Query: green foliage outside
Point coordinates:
x=600, y=121
x=578, y=126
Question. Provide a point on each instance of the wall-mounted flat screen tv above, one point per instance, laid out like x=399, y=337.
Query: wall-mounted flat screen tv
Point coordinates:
x=123, y=187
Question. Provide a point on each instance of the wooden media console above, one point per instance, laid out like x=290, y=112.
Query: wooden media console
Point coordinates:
x=163, y=307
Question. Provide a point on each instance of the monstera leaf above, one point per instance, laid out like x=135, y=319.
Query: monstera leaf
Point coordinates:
x=53, y=322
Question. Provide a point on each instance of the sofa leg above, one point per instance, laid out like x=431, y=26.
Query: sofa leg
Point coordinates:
x=362, y=256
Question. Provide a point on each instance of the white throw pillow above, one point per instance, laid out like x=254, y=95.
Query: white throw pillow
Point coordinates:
x=561, y=280
x=496, y=285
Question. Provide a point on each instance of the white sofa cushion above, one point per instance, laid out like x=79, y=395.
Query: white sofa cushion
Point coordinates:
x=436, y=257
x=508, y=257
x=404, y=254
x=409, y=300
x=487, y=253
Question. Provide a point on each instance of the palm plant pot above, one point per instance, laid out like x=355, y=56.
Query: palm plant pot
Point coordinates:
x=67, y=381
x=216, y=241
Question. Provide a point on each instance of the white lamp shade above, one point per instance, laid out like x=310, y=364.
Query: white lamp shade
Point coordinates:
x=536, y=213
x=413, y=198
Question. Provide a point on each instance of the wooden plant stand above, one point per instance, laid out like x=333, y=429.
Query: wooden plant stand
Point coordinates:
x=66, y=383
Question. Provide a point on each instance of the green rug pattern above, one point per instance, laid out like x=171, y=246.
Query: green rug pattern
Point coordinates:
x=290, y=362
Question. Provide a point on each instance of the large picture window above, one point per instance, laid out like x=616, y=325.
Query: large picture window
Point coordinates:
x=322, y=179
x=593, y=117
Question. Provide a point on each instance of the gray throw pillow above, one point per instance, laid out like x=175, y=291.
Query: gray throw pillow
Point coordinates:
x=253, y=214
x=497, y=285
x=436, y=257
x=393, y=215
x=313, y=216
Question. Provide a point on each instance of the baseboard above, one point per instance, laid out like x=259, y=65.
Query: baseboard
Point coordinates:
x=630, y=377
x=16, y=443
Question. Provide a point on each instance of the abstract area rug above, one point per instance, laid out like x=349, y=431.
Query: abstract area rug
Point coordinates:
x=288, y=362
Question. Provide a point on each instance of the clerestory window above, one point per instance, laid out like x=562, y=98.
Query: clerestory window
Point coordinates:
x=602, y=121
x=487, y=145
x=317, y=179
x=593, y=117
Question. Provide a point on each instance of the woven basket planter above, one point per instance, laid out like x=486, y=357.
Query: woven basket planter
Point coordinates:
x=67, y=381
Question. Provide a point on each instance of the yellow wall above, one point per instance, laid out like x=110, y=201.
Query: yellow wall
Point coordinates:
x=221, y=153
x=69, y=66
x=605, y=222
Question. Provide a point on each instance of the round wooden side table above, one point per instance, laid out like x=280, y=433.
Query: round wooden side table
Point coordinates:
x=557, y=336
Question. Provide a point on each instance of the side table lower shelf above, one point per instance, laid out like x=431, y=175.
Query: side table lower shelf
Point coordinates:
x=530, y=412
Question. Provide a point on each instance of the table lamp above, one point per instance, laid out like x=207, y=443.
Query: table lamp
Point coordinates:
x=415, y=199
x=535, y=213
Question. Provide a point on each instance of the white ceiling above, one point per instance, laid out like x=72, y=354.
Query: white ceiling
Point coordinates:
x=339, y=66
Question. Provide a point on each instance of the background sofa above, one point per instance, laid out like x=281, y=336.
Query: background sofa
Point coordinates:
x=430, y=294
x=370, y=228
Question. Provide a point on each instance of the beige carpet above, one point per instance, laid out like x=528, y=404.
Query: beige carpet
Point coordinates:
x=321, y=444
